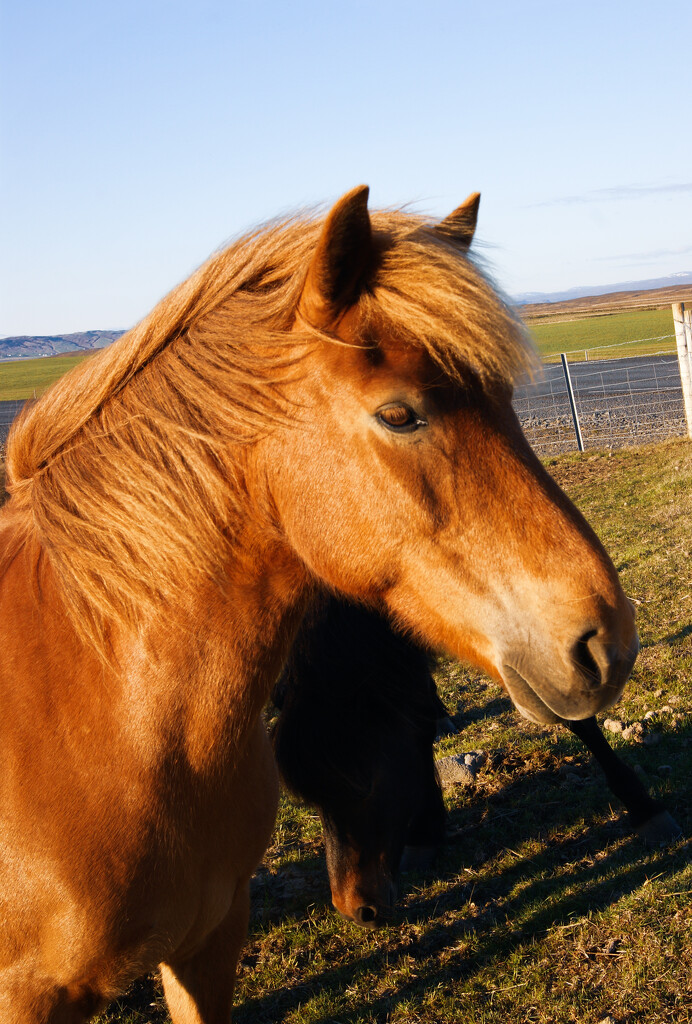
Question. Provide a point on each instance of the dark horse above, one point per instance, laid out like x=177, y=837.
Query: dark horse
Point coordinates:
x=359, y=714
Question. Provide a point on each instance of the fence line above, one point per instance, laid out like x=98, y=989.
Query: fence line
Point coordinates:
x=618, y=344
x=8, y=411
x=634, y=401
x=616, y=402
x=682, y=319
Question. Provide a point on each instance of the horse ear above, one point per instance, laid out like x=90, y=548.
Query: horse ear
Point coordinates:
x=341, y=261
x=460, y=226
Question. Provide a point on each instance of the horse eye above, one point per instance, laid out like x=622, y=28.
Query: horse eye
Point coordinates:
x=400, y=418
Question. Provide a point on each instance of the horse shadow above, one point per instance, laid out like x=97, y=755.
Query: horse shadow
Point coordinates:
x=567, y=878
x=680, y=635
x=491, y=709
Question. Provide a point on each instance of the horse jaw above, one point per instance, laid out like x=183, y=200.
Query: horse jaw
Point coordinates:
x=526, y=700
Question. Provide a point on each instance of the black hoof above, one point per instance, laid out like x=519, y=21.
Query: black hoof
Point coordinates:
x=659, y=830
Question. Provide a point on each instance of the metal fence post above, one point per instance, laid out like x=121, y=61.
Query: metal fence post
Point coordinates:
x=573, y=404
x=683, y=337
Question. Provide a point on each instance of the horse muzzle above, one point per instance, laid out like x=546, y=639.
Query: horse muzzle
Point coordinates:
x=590, y=678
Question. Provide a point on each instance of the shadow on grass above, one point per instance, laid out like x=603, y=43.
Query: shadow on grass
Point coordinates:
x=680, y=635
x=524, y=898
x=492, y=709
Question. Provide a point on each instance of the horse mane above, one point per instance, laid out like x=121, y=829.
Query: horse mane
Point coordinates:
x=129, y=470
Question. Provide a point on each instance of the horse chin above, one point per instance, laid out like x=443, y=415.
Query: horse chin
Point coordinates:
x=526, y=700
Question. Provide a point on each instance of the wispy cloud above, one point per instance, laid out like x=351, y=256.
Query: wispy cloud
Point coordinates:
x=644, y=257
x=600, y=195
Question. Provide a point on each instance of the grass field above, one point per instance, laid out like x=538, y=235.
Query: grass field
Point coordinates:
x=628, y=333
x=544, y=908
x=28, y=377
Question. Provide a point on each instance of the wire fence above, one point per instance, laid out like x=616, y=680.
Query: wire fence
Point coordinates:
x=662, y=350
x=619, y=402
x=8, y=411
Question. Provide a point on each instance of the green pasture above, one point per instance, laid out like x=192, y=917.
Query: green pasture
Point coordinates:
x=615, y=336
x=544, y=907
x=29, y=378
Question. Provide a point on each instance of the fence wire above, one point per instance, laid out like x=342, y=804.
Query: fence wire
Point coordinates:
x=619, y=402
x=8, y=411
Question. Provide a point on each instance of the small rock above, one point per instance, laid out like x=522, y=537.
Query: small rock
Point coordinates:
x=665, y=769
x=475, y=759
x=649, y=715
x=666, y=708
x=658, y=693
x=634, y=732
x=652, y=739
x=453, y=771
x=608, y=1020
x=612, y=725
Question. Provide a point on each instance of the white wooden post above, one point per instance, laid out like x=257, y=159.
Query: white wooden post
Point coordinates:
x=683, y=336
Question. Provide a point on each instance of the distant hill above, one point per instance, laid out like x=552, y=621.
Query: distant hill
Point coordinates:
x=588, y=306
x=536, y=307
x=30, y=346
x=538, y=298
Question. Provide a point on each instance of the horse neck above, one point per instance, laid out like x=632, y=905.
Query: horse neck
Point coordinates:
x=218, y=658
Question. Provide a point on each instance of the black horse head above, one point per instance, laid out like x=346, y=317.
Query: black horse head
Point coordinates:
x=355, y=740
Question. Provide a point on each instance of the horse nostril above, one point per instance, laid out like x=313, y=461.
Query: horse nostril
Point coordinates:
x=583, y=657
x=366, y=916
x=599, y=659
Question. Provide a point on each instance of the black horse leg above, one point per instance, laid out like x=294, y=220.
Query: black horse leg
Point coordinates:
x=426, y=831
x=649, y=817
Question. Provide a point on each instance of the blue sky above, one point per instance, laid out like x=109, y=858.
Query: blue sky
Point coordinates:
x=139, y=135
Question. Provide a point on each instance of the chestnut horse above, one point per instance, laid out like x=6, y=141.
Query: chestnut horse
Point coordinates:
x=326, y=400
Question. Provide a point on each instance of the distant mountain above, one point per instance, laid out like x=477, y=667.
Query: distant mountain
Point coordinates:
x=531, y=298
x=28, y=346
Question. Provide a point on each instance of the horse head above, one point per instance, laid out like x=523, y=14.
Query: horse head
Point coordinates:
x=404, y=477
